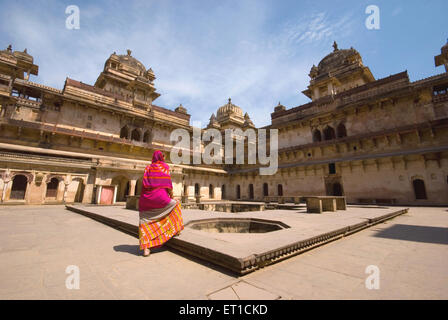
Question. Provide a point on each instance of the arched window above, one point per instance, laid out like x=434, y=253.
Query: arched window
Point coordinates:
x=329, y=133
x=280, y=190
x=342, y=132
x=238, y=192
x=265, y=190
x=210, y=191
x=135, y=135
x=251, y=191
x=19, y=184
x=124, y=132
x=52, y=188
x=419, y=189
x=317, y=136
x=147, y=136
x=223, y=191
x=196, y=189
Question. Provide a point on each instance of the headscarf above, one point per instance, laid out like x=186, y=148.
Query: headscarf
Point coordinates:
x=157, y=174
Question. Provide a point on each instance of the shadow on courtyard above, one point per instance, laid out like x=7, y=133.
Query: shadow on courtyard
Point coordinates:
x=205, y=263
x=135, y=249
x=415, y=233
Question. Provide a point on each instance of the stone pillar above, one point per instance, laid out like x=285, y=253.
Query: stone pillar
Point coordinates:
x=316, y=93
x=341, y=203
x=329, y=204
x=132, y=185
x=98, y=194
x=115, y=194
x=190, y=192
x=6, y=184
x=314, y=205
x=88, y=193
x=66, y=183
x=330, y=88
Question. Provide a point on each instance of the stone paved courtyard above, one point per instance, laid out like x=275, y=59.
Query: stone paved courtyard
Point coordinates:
x=37, y=243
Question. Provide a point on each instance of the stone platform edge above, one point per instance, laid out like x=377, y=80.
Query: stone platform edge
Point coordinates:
x=242, y=266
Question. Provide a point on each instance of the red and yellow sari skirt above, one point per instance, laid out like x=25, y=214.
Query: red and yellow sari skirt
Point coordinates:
x=155, y=233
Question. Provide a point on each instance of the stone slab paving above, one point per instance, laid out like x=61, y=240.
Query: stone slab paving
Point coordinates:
x=246, y=252
x=37, y=243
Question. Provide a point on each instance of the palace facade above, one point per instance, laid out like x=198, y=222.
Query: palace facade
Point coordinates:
x=372, y=140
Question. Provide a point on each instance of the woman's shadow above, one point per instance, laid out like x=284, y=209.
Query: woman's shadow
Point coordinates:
x=135, y=249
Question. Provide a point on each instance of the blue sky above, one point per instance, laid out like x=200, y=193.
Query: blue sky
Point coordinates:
x=203, y=52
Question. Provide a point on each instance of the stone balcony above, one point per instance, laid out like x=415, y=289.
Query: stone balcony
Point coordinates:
x=24, y=102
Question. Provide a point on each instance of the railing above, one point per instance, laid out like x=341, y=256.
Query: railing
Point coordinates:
x=12, y=155
x=38, y=85
x=440, y=97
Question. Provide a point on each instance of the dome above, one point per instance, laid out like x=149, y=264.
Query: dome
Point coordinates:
x=131, y=61
x=338, y=58
x=335, y=59
x=229, y=109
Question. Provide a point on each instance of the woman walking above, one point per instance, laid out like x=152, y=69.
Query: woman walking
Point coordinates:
x=160, y=214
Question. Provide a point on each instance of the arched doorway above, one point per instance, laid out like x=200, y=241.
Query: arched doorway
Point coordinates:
x=52, y=188
x=265, y=190
x=223, y=191
x=126, y=190
x=79, y=191
x=197, y=190
x=342, y=132
x=280, y=190
x=329, y=133
x=135, y=135
x=419, y=189
x=138, y=187
x=337, y=189
x=210, y=191
x=18, y=190
x=124, y=132
x=147, y=136
x=123, y=187
x=251, y=191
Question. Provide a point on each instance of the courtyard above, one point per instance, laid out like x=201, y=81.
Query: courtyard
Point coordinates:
x=37, y=243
